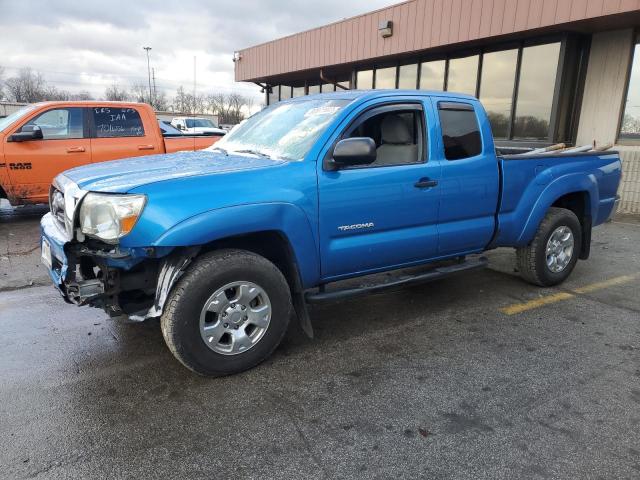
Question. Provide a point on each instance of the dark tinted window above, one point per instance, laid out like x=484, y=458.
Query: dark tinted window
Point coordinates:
x=460, y=131
x=58, y=124
x=117, y=122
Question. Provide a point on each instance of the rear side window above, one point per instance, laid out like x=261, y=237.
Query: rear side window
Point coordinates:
x=112, y=122
x=460, y=131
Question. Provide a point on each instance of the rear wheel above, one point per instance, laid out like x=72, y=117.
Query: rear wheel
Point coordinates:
x=553, y=253
x=228, y=313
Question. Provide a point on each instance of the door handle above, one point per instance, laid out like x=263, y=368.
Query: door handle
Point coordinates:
x=145, y=147
x=426, y=183
x=75, y=149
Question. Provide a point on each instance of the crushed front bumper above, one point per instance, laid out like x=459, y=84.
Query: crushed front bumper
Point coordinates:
x=133, y=282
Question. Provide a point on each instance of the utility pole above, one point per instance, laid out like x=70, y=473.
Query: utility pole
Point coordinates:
x=153, y=76
x=148, y=72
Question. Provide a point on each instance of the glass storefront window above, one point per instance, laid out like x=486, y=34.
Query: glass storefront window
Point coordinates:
x=535, y=91
x=298, y=91
x=274, y=96
x=408, y=76
x=313, y=89
x=496, y=88
x=386, y=77
x=327, y=87
x=630, y=127
x=463, y=75
x=432, y=75
x=285, y=92
x=364, y=80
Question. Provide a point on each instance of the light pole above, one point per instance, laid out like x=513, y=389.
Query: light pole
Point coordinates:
x=148, y=73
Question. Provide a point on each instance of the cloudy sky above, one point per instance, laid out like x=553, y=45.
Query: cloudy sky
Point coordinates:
x=89, y=45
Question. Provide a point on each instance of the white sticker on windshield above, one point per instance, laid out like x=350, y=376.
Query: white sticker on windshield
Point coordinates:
x=325, y=110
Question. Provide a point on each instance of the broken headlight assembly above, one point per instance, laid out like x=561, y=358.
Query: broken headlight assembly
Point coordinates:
x=109, y=217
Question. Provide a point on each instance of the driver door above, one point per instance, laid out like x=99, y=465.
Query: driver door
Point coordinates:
x=34, y=163
x=383, y=215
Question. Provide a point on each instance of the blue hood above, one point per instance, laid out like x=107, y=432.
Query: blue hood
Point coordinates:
x=124, y=175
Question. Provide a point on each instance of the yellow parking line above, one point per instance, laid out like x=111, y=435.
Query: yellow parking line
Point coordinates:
x=558, y=297
x=538, y=302
x=607, y=283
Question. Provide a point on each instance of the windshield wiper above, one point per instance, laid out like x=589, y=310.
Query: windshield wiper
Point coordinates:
x=254, y=152
x=220, y=149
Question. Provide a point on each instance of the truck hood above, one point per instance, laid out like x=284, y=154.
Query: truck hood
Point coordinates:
x=120, y=176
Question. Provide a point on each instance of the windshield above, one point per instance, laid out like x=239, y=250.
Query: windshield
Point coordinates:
x=199, y=122
x=286, y=131
x=5, y=122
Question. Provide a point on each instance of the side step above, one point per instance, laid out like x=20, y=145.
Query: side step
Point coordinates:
x=429, y=276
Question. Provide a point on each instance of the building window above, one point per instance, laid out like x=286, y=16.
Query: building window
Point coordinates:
x=408, y=76
x=313, y=89
x=285, y=92
x=364, y=80
x=274, y=96
x=496, y=89
x=630, y=126
x=463, y=75
x=327, y=87
x=432, y=75
x=386, y=77
x=535, y=91
x=298, y=91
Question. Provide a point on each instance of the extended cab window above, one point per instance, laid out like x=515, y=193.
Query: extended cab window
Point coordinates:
x=112, y=122
x=460, y=131
x=397, y=132
x=58, y=124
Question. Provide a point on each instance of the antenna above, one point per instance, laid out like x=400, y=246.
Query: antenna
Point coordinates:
x=148, y=72
x=194, y=100
x=153, y=77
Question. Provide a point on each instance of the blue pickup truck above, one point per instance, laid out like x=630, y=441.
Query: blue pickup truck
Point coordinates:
x=227, y=244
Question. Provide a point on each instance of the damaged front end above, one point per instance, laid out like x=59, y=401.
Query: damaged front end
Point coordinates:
x=135, y=282
x=87, y=271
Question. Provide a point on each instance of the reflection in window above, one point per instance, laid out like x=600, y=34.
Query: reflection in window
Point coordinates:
x=298, y=91
x=327, y=87
x=345, y=84
x=364, y=80
x=535, y=91
x=386, y=77
x=285, y=92
x=463, y=74
x=408, y=76
x=496, y=88
x=630, y=127
x=432, y=75
x=274, y=96
x=313, y=89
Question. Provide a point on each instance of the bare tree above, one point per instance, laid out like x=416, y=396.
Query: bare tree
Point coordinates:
x=160, y=102
x=27, y=87
x=116, y=94
x=139, y=92
x=82, y=95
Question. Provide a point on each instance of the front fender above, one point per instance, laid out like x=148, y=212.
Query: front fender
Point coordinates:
x=217, y=224
x=570, y=183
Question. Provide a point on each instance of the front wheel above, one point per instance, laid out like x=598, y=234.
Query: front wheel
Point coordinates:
x=228, y=313
x=553, y=253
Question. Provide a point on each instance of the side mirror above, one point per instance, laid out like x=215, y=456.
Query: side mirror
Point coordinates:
x=34, y=134
x=354, y=151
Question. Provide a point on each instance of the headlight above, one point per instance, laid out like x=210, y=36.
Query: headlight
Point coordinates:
x=110, y=217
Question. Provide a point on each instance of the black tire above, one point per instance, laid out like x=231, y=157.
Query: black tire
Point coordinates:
x=531, y=260
x=211, y=271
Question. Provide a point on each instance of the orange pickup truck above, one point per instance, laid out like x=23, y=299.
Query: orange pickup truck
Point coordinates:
x=42, y=140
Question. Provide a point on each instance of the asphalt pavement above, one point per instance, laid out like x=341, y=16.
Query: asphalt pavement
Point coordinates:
x=479, y=376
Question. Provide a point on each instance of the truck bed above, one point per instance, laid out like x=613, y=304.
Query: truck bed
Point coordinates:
x=531, y=183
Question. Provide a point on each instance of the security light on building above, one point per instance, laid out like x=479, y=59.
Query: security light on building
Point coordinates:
x=385, y=28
